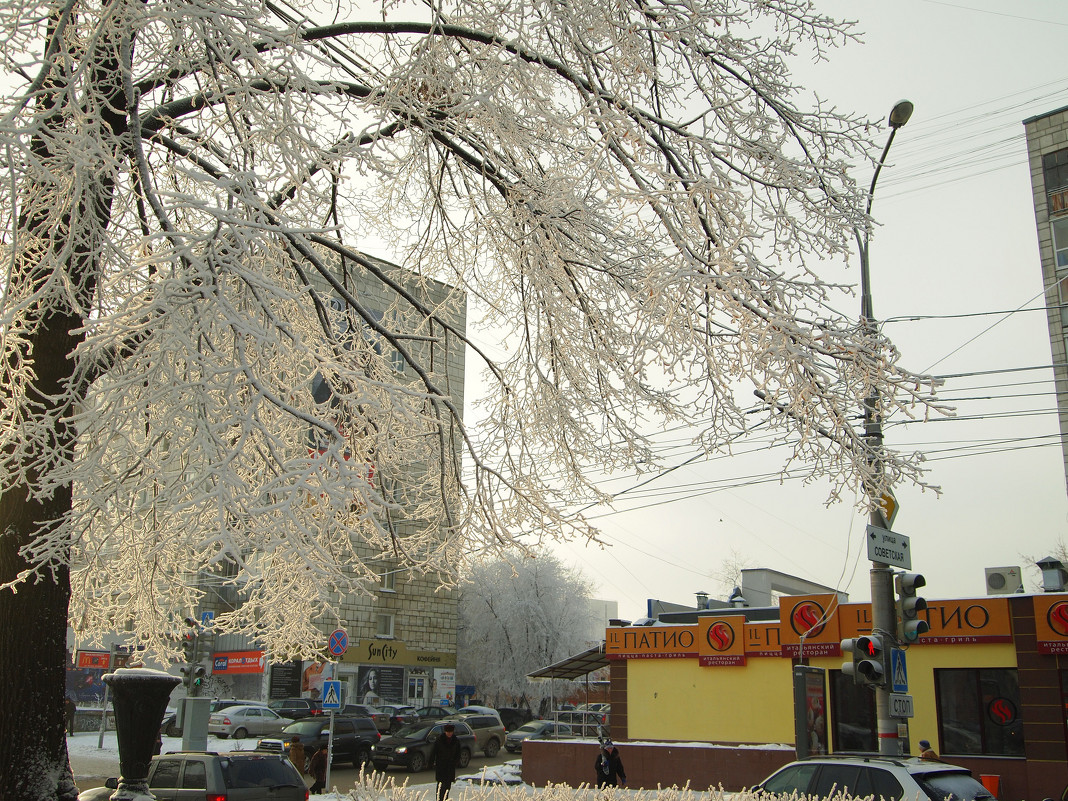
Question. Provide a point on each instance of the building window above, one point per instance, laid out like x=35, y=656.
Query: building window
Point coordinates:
x=853, y=723
x=388, y=576
x=1059, y=227
x=979, y=712
x=1055, y=170
x=385, y=626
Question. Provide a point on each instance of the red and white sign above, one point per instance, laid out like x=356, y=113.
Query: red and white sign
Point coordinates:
x=238, y=662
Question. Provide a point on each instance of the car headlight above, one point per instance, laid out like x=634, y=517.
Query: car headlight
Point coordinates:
x=402, y=750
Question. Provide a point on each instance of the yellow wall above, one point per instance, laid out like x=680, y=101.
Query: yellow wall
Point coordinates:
x=677, y=699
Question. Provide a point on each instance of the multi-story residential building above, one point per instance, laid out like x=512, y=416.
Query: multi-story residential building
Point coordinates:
x=1047, y=152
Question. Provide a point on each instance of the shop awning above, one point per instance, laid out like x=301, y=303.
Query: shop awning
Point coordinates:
x=575, y=666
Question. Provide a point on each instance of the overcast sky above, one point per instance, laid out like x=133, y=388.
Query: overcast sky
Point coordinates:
x=956, y=277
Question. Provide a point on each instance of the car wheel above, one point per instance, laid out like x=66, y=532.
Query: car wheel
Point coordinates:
x=363, y=757
x=465, y=757
x=417, y=762
x=492, y=747
x=240, y=734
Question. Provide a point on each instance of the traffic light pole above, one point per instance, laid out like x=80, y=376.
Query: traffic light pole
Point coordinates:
x=882, y=578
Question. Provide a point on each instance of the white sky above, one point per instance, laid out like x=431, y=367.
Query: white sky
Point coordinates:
x=957, y=237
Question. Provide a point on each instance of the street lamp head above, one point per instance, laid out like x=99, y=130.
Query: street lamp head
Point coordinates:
x=900, y=113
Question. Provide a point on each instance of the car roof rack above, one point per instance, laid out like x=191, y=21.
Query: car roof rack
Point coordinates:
x=865, y=755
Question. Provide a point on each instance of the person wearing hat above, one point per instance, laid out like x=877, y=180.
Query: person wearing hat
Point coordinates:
x=317, y=768
x=446, y=757
x=609, y=766
x=926, y=752
x=296, y=754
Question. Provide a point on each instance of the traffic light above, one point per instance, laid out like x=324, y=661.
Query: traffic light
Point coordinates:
x=868, y=663
x=909, y=605
x=192, y=673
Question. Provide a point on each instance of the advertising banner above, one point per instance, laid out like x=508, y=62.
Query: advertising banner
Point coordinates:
x=651, y=642
x=1051, y=623
x=381, y=685
x=809, y=625
x=721, y=641
x=238, y=662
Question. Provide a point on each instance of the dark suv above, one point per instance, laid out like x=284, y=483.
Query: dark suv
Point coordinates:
x=234, y=776
x=353, y=738
x=412, y=747
x=296, y=708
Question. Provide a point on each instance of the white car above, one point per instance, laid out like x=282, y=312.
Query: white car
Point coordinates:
x=241, y=721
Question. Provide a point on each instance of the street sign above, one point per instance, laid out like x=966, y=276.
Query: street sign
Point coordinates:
x=889, y=548
x=899, y=674
x=332, y=694
x=888, y=503
x=339, y=642
x=207, y=619
x=900, y=705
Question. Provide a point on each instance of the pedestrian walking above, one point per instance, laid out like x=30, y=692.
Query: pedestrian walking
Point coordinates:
x=317, y=768
x=296, y=755
x=446, y=758
x=609, y=766
x=70, y=710
x=926, y=752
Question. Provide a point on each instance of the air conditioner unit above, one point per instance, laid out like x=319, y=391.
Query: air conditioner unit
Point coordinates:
x=1003, y=580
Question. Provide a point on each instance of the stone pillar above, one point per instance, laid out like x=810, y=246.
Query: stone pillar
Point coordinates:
x=140, y=697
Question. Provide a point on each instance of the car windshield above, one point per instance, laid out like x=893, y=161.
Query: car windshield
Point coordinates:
x=305, y=728
x=955, y=786
x=530, y=727
x=414, y=732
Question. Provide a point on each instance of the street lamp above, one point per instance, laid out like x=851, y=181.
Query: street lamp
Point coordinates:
x=882, y=578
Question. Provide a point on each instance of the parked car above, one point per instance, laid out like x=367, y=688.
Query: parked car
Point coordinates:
x=380, y=718
x=297, y=708
x=172, y=726
x=514, y=717
x=477, y=710
x=888, y=777
x=488, y=730
x=535, y=730
x=245, y=775
x=353, y=738
x=399, y=715
x=241, y=721
x=412, y=747
x=433, y=713
x=594, y=707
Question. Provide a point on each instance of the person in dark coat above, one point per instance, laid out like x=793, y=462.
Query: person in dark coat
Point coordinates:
x=70, y=710
x=609, y=766
x=446, y=758
x=317, y=769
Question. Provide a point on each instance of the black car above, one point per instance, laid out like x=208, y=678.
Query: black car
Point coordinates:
x=236, y=775
x=432, y=714
x=353, y=738
x=514, y=717
x=412, y=747
x=296, y=708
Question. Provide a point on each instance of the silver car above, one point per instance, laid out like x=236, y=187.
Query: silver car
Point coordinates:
x=241, y=721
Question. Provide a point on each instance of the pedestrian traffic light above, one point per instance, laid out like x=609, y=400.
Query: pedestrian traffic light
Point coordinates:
x=868, y=663
x=909, y=606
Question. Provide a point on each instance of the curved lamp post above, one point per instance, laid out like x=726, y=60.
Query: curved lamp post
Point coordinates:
x=882, y=577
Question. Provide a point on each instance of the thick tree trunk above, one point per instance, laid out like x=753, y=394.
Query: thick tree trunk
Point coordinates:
x=34, y=763
x=33, y=620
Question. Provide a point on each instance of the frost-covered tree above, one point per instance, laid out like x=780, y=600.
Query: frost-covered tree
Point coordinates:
x=518, y=614
x=632, y=195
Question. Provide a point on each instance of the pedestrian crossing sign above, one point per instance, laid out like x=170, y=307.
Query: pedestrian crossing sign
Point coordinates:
x=899, y=674
x=331, y=695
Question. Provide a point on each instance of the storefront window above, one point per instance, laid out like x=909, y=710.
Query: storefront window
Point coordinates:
x=979, y=712
x=853, y=715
